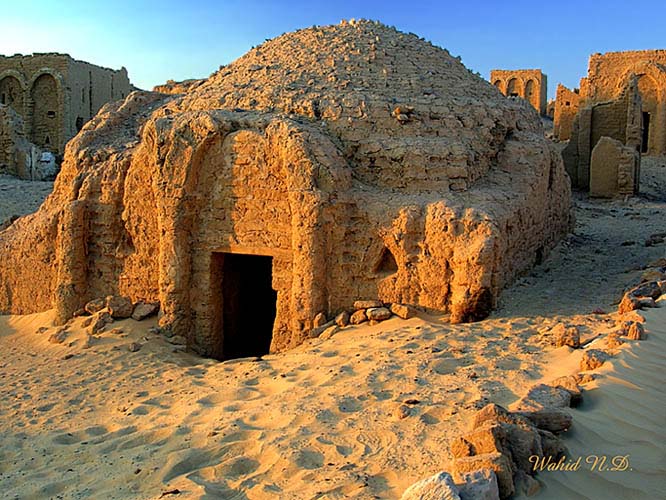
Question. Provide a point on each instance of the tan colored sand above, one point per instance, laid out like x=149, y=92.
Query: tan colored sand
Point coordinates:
x=321, y=421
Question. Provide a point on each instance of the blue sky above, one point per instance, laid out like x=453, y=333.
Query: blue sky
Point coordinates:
x=159, y=40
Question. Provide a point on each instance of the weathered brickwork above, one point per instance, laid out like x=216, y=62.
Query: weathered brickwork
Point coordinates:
x=530, y=84
x=566, y=106
x=56, y=95
x=607, y=78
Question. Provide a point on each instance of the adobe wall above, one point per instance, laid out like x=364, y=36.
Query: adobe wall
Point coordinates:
x=55, y=94
x=608, y=75
x=530, y=84
x=619, y=119
x=566, y=106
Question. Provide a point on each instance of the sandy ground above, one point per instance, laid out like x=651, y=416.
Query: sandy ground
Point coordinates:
x=321, y=421
x=19, y=197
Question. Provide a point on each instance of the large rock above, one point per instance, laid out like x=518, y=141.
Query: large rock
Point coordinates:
x=593, y=358
x=119, y=307
x=498, y=463
x=143, y=310
x=437, y=487
x=479, y=485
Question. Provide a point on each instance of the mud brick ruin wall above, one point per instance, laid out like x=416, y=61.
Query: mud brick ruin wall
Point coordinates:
x=56, y=95
x=530, y=84
x=619, y=119
x=608, y=76
x=566, y=108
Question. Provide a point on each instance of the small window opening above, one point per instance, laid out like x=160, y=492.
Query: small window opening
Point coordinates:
x=386, y=264
x=4, y=98
x=79, y=123
x=47, y=141
x=567, y=103
x=51, y=114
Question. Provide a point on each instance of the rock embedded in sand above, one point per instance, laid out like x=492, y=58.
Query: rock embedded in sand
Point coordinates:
x=497, y=462
x=403, y=411
x=544, y=396
x=403, y=311
x=59, y=336
x=613, y=341
x=570, y=384
x=329, y=332
x=566, y=336
x=119, y=307
x=134, y=347
x=99, y=320
x=592, y=359
x=636, y=331
x=358, y=317
x=319, y=320
x=143, y=310
x=342, y=319
x=526, y=484
x=378, y=313
x=478, y=485
x=549, y=419
x=95, y=305
x=367, y=304
x=437, y=487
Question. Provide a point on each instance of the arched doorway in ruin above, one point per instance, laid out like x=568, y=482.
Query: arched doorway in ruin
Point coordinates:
x=498, y=84
x=529, y=92
x=45, y=130
x=11, y=93
x=512, y=88
x=648, y=90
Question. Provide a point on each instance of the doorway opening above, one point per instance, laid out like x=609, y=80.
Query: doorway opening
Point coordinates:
x=646, y=132
x=246, y=311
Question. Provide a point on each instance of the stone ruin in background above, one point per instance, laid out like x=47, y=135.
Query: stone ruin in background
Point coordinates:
x=622, y=99
x=329, y=165
x=45, y=100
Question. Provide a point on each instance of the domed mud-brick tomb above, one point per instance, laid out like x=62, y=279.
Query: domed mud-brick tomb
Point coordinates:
x=324, y=166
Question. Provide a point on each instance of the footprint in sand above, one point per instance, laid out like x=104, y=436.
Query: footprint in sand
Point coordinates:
x=310, y=459
x=349, y=405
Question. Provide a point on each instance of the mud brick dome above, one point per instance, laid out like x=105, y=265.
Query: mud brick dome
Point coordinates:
x=324, y=166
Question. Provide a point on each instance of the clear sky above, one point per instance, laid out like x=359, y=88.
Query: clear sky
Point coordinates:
x=167, y=39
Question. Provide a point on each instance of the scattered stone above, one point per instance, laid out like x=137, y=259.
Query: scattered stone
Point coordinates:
x=403, y=311
x=143, y=310
x=329, y=332
x=592, y=359
x=95, y=306
x=80, y=312
x=403, y=411
x=68, y=356
x=42, y=329
x=489, y=438
x=586, y=378
x=119, y=307
x=549, y=419
x=479, y=485
x=378, y=313
x=177, y=340
x=636, y=332
x=654, y=239
x=566, y=335
x=653, y=275
x=134, y=347
x=358, y=317
x=319, y=320
x=544, y=396
x=99, y=321
x=551, y=445
x=342, y=319
x=367, y=304
x=437, y=487
x=526, y=484
x=87, y=321
x=89, y=341
x=497, y=462
x=570, y=384
x=613, y=341
x=59, y=336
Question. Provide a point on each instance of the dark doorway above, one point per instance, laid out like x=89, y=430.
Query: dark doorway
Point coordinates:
x=248, y=304
x=646, y=132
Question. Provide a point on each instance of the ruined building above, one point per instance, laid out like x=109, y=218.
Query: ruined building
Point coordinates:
x=607, y=78
x=328, y=165
x=623, y=98
x=530, y=84
x=55, y=95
